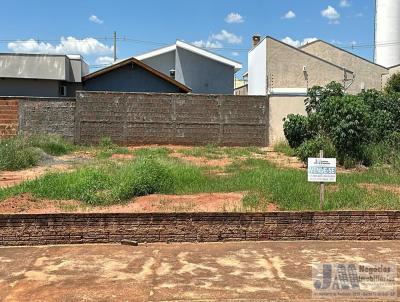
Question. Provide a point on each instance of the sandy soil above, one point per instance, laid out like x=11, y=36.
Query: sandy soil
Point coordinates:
x=157, y=203
x=202, y=161
x=280, y=159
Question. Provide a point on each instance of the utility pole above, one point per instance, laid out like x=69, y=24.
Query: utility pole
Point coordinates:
x=115, y=46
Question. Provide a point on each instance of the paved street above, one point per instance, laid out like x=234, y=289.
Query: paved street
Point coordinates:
x=248, y=271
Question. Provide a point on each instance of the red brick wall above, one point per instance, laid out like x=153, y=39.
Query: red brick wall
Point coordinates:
x=8, y=118
x=20, y=229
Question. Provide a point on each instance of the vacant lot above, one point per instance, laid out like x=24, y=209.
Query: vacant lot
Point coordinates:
x=182, y=179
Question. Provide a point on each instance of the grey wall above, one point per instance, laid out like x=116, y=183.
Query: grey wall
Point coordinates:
x=47, y=115
x=29, y=87
x=150, y=118
x=203, y=75
x=130, y=78
x=32, y=66
x=163, y=63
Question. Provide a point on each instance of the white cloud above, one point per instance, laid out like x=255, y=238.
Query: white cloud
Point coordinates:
x=227, y=37
x=297, y=43
x=69, y=45
x=207, y=44
x=332, y=14
x=235, y=54
x=359, y=15
x=95, y=19
x=104, y=60
x=234, y=18
x=344, y=3
x=289, y=15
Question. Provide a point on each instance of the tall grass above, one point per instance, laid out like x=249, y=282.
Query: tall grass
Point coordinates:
x=283, y=147
x=22, y=152
x=16, y=153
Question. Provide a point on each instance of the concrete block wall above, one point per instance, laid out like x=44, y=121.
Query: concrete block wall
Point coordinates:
x=140, y=118
x=29, y=115
x=8, y=118
x=48, y=115
x=34, y=229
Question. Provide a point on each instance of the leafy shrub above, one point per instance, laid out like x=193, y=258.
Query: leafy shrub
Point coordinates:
x=393, y=84
x=346, y=120
x=317, y=95
x=312, y=147
x=16, y=154
x=295, y=128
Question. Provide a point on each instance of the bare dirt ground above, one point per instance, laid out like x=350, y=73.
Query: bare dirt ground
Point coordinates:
x=280, y=159
x=247, y=271
x=157, y=203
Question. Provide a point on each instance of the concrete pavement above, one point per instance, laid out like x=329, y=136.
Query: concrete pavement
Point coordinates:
x=248, y=271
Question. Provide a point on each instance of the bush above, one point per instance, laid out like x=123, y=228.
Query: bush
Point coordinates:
x=312, y=147
x=17, y=154
x=296, y=130
x=317, y=95
x=346, y=120
x=393, y=84
x=145, y=176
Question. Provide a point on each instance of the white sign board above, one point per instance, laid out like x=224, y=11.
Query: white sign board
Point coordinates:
x=322, y=169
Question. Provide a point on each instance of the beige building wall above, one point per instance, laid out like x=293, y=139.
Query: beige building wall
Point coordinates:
x=368, y=75
x=243, y=90
x=279, y=108
x=392, y=71
x=289, y=67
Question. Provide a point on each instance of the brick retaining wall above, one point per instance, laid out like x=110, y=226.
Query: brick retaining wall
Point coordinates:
x=31, y=229
x=151, y=118
x=8, y=118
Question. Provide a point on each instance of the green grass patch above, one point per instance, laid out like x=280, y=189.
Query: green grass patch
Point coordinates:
x=21, y=152
x=284, y=148
x=107, y=148
x=51, y=144
x=16, y=153
x=213, y=152
x=209, y=151
x=154, y=151
x=107, y=184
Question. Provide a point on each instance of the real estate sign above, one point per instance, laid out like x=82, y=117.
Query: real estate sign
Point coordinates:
x=322, y=169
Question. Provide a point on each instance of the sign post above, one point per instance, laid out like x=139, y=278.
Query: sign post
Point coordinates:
x=321, y=186
x=322, y=170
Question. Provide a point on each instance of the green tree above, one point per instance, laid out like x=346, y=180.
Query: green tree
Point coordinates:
x=393, y=84
x=317, y=95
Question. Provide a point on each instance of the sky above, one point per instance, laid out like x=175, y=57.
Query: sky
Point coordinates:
x=224, y=26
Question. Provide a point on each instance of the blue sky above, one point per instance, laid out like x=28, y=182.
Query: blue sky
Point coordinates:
x=225, y=25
